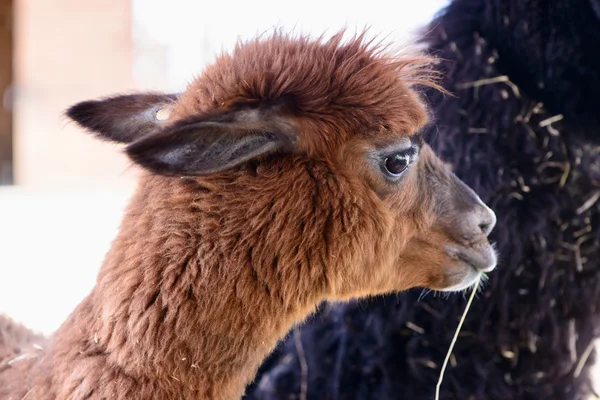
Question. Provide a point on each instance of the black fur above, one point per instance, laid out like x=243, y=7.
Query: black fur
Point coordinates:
x=525, y=336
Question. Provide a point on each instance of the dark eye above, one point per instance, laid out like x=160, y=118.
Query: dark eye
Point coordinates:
x=397, y=163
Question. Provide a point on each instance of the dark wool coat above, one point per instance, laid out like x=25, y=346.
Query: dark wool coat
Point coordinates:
x=523, y=131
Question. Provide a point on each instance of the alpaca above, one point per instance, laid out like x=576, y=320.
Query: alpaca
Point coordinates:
x=522, y=131
x=290, y=172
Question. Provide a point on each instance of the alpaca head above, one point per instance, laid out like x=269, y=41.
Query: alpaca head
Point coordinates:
x=385, y=214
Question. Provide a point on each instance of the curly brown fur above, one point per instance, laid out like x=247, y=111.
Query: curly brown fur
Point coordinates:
x=265, y=193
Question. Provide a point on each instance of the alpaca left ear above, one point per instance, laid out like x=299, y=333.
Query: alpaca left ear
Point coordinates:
x=124, y=118
x=209, y=146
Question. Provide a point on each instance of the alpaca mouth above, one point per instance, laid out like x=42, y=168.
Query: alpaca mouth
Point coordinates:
x=481, y=257
x=472, y=261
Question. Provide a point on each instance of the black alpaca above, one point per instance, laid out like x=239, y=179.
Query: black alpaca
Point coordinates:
x=523, y=131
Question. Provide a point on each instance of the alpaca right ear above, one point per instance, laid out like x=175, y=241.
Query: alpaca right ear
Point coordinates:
x=124, y=118
x=207, y=145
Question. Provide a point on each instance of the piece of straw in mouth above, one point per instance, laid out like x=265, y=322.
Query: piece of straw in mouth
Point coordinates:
x=462, y=319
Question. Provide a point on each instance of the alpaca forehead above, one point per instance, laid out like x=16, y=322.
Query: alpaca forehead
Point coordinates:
x=345, y=82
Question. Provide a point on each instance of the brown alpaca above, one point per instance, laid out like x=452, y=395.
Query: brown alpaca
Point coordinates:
x=290, y=172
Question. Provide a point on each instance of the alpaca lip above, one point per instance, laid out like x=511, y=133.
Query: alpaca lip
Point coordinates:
x=467, y=278
x=483, y=259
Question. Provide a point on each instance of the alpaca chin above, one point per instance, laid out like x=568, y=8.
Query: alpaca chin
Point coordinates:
x=470, y=276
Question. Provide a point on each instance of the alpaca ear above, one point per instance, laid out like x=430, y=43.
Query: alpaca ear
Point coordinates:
x=124, y=118
x=210, y=146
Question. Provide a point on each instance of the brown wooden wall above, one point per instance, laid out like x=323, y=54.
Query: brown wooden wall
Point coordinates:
x=6, y=61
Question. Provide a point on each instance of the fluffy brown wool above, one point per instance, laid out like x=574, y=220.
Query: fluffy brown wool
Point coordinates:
x=267, y=190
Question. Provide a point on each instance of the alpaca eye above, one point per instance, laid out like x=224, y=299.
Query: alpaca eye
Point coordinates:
x=396, y=164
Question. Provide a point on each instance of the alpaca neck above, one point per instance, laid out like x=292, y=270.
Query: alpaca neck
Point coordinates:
x=176, y=309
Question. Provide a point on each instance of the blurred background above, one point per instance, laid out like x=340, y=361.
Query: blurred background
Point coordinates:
x=62, y=192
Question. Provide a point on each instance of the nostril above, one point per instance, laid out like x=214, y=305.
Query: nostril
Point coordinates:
x=488, y=221
x=485, y=228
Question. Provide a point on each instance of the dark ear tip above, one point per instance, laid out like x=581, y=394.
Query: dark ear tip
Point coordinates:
x=82, y=113
x=144, y=152
x=132, y=150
